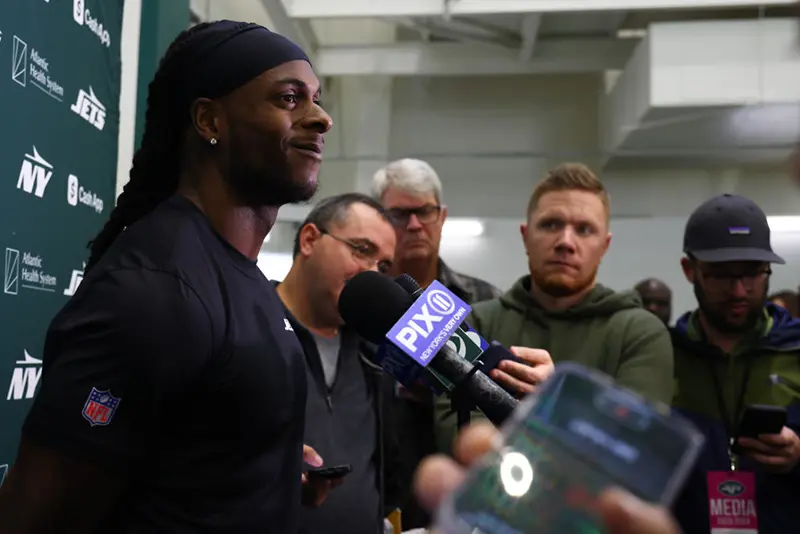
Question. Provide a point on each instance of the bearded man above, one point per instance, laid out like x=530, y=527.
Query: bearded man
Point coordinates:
x=736, y=350
x=559, y=306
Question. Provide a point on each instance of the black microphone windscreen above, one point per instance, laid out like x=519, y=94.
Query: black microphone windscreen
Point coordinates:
x=371, y=303
x=408, y=283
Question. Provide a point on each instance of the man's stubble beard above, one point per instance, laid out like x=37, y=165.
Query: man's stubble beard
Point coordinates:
x=258, y=189
x=559, y=285
x=717, y=320
x=274, y=185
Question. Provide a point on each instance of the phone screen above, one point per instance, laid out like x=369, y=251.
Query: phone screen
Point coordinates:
x=580, y=437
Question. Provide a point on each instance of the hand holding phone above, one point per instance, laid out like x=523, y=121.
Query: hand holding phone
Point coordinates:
x=764, y=437
x=338, y=471
x=318, y=482
x=761, y=419
x=622, y=513
x=563, y=447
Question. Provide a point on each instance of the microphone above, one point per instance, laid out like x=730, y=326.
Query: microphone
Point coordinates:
x=381, y=312
x=465, y=341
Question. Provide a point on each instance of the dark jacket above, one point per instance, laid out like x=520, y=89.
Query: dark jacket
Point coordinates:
x=608, y=330
x=337, y=433
x=773, y=349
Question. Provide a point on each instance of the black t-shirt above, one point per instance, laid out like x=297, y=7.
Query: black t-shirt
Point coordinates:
x=174, y=365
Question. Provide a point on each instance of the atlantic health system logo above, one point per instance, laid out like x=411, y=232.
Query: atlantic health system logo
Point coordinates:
x=24, y=270
x=19, y=61
x=11, y=273
x=33, y=67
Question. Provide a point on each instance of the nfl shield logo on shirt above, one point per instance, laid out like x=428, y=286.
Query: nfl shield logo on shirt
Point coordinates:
x=100, y=407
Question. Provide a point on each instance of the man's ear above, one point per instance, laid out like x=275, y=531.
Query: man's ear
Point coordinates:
x=309, y=234
x=208, y=120
x=687, y=265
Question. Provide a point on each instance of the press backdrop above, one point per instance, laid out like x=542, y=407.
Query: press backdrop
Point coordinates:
x=59, y=112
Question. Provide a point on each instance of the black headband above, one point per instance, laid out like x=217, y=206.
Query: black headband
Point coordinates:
x=226, y=55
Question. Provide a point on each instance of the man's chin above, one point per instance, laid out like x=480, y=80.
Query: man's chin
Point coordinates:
x=560, y=285
x=415, y=252
x=307, y=189
x=298, y=189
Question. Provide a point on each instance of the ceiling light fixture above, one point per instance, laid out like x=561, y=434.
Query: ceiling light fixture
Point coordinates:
x=784, y=224
x=462, y=228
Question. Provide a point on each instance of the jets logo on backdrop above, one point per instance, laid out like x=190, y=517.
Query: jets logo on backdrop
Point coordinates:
x=74, y=281
x=90, y=109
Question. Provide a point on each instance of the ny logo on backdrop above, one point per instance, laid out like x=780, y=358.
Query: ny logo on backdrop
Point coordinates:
x=34, y=174
x=25, y=378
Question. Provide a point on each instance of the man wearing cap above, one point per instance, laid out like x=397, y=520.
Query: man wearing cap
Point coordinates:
x=733, y=351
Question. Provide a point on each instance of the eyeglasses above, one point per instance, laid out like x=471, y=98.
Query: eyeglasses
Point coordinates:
x=365, y=253
x=719, y=281
x=427, y=214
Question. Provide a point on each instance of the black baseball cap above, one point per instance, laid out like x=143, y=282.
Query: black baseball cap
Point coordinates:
x=729, y=228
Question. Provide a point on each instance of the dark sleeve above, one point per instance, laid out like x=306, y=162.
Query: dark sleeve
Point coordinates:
x=392, y=486
x=646, y=363
x=116, y=362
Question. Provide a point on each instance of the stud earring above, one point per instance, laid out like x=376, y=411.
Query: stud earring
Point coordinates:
x=213, y=141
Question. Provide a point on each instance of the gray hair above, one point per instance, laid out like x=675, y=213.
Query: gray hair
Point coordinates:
x=412, y=176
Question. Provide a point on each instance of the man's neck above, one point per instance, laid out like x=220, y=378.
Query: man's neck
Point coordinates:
x=245, y=228
x=423, y=271
x=724, y=341
x=551, y=303
x=294, y=296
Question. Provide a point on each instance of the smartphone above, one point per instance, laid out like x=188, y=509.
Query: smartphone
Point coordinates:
x=762, y=419
x=579, y=435
x=337, y=471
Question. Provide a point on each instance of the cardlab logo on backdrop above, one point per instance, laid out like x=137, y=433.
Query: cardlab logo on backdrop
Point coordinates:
x=84, y=17
x=429, y=323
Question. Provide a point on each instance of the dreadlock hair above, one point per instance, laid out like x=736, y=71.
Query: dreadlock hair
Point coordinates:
x=156, y=164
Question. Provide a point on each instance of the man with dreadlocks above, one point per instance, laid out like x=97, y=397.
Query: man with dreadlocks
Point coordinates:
x=173, y=389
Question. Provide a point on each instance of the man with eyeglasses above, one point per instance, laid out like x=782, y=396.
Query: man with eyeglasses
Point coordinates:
x=347, y=409
x=411, y=193
x=733, y=351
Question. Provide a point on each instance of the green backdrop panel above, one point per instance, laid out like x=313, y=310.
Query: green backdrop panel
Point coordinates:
x=59, y=102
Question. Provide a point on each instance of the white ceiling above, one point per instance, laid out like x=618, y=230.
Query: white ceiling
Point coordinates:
x=493, y=37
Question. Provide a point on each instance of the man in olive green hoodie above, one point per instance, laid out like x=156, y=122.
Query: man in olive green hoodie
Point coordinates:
x=559, y=307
